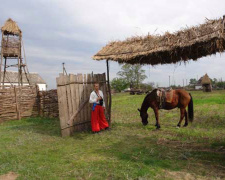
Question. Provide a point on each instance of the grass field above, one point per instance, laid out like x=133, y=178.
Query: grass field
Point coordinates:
x=33, y=148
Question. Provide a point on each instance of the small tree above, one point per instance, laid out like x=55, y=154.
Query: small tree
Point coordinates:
x=119, y=84
x=220, y=84
x=193, y=81
x=214, y=82
x=132, y=74
x=147, y=86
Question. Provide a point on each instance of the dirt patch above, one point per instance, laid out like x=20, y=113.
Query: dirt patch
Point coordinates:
x=9, y=176
x=179, y=175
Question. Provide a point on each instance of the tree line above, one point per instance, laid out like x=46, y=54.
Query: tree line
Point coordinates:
x=132, y=76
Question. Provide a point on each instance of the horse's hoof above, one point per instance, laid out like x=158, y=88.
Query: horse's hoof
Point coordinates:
x=185, y=125
x=177, y=126
x=158, y=127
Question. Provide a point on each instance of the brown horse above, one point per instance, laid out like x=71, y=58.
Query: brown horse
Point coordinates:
x=181, y=99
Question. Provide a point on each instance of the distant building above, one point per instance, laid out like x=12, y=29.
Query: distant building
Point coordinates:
x=204, y=83
x=11, y=78
x=127, y=90
x=198, y=86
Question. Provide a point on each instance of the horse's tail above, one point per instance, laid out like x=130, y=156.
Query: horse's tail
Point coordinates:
x=191, y=109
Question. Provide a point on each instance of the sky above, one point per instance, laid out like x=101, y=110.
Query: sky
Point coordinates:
x=72, y=31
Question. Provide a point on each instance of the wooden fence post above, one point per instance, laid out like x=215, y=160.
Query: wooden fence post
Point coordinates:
x=63, y=105
x=17, y=104
x=38, y=100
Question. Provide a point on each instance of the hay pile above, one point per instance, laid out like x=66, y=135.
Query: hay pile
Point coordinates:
x=205, y=80
x=10, y=27
x=190, y=43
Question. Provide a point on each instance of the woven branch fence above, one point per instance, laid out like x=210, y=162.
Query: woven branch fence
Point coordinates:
x=26, y=101
x=48, y=103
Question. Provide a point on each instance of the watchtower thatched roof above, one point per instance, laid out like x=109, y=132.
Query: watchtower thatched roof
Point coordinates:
x=189, y=43
x=205, y=79
x=11, y=27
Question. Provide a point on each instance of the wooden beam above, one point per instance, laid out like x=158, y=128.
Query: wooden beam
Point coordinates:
x=224, y=25
x=3, y=80
x=1, y=62
x=109, y=91
x=92, y=82
x=77, y=112
x=77, y=124
x=17, y=105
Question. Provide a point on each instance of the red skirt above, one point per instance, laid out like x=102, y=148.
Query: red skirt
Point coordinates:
x=98, y=121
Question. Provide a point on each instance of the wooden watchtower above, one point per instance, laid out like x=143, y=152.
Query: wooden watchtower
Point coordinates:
x=11, y=52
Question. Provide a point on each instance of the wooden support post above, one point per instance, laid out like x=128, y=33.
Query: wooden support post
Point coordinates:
x=1, y=62
x=21, y=62
x=18, y=72
x=109, y=91
x=224, y=26
x=38, y=100
x=21, y=73
x=3, y=79
x=17, y=105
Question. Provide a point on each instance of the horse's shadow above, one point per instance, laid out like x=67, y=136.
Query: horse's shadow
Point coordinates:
x=166, y=154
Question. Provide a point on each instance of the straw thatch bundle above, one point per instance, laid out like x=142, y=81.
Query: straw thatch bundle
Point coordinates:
x=190, y=43
x=10, y=27
x=205, y=80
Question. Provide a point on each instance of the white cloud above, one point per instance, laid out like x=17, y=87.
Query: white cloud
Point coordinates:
x=72, y=31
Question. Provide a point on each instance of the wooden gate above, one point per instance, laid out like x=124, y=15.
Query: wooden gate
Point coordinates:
x=73, y=99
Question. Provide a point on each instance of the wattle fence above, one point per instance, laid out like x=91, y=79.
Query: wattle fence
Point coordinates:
x=26, y=101
x=48, y=103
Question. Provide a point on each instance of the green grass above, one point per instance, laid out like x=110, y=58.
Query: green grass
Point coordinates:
x=34, y=149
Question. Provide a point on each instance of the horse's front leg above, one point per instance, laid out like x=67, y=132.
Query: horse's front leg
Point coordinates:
x=156, y=111
x=182, y=114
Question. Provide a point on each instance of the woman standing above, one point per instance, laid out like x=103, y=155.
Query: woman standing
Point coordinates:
x=98, y=120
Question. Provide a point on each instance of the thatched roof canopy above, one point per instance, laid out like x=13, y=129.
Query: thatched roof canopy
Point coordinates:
x=189, y=43
x=205, y=79
x=11, y=27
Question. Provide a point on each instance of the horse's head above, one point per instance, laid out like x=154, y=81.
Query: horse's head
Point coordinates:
x=144, y=117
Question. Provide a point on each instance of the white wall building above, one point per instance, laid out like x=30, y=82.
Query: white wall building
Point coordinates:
x=198, y=86
x=11, y=78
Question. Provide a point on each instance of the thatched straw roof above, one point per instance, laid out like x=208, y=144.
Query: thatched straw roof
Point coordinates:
x=189, y=43
x=12, y=77
x=10, y=27
x=205, y=79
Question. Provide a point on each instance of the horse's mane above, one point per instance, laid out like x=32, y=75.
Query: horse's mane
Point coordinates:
x=146, y=99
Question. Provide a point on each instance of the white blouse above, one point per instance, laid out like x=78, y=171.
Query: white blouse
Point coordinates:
x=93, y=97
